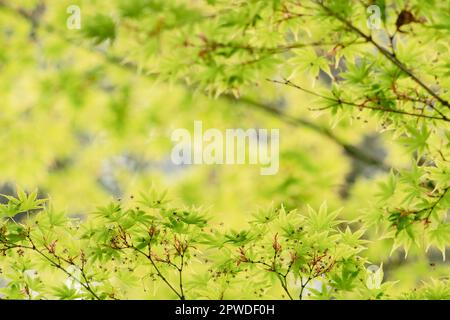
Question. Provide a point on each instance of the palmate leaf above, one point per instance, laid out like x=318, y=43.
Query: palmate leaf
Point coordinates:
x=387, y=188
x=153, y=199
x=346, y=278
x=325, y=293
x=412, y=183
x=440, y=174
x=112, y=212
x=405, y=239
x=433, y=290
x=66, y=293
x=23, y=203
x=266, y=215
x=141, y=216
x=239, y=238
x=417, y=139
x=9, y=210
x=374, y=219
x=194, y=218
x=358, y=74
x=308, y=60
x=213, y=239
x=321, y=220
x=137, y=8
x=52, y=218
x=190, y=216
x=440, y=237
x=16, y=233
x=103, y=254
x=353, y=239
x=437, y=290
x=29, y=201
x=99, y=28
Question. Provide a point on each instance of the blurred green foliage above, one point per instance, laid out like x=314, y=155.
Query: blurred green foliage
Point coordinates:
x=86, y=118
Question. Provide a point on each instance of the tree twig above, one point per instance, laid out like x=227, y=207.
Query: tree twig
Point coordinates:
x=385, y=53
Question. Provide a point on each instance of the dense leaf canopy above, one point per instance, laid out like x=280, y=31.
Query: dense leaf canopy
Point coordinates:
x=363, y=109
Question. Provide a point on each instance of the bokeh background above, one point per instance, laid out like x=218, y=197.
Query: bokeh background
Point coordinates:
x=84, y=121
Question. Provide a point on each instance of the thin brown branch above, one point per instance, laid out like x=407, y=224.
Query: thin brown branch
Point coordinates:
x=57, y=265
x=158, y=272
x=359, y=105
x=391, y=57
